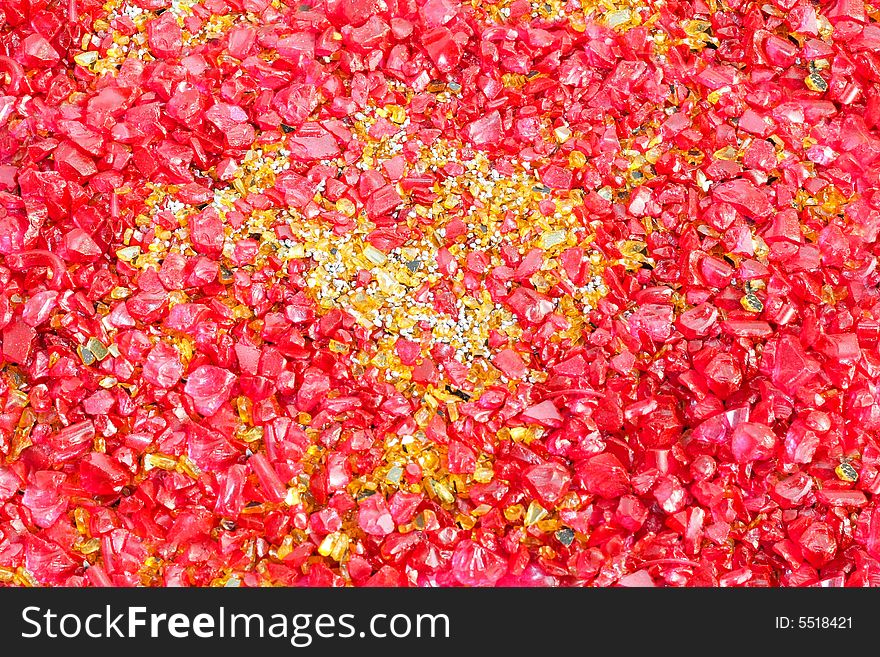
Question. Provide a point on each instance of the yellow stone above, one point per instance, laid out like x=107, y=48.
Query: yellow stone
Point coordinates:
x=562, y=134
x=514, y=512
x=89, y=546
x=160, y=461
x=522, y=434
x=816, y=82
x=397, y=114
x=374, y=255
x=346, y=207
x=845, y=472
x=186, y=466
x=576, y=159
x=285, y=548
x=751, y=303
x=442, y=491
x=483, y=475
x=81, y=519
x=535, y=513
x=338, y=347
x=86, y=58
x=334, y=545
x=128, y=253
x=552, y=238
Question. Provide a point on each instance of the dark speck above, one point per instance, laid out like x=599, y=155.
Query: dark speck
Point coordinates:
x=458, y=393
x=565, y=536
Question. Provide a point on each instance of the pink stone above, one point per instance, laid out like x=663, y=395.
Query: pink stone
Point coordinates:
x=752, y=441
x=744, y=196
x=314, y=386
x=163, y=368
x=760, y=154
x=549, y=481
x=407, y=350
x=209, y=387
x=165, y=36
x=818, y=544
x=752, y=122
x=784, y=227
x=43, y=497
x=241, y=40
x=639, y=579
x=485, y=130
x=206, y=232
x=659, y=425
x=511, y=363
x=296, y=45
x=229, y=498
x=716, y=272
x=654, y=319
x=544, y=413
x=39, y=307
x=354, y=12
x=839, y=497
x=746, y=328
x=474, y=565
x=248, y=358
x=697, y=321
x=18, y=341
x=792, y=489
x=403, y=506
x=789, y=366
x=803, y=19
x=99, y=402
x=631, y=513
x=442, y=48
x=842, y=348
x=75, y=164
x=460, y=458
x=38, y=52
x=184, y=317
x=603, y=475
x=100, y=474
x=209, y=450
x=438, y=12
x=670, y=494
x=72, y=441
x=723, y=374
x=308, y=148
x=225, y=116
x=374, y=516
x=801, y=443
x=80, y=247
x=270, y=483
x=383, y=201
x=10, y=483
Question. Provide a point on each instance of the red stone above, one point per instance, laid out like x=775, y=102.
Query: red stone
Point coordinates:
x=209, y=387
x=164, y=36
x=442, y=48
x=549, y=481
x=603, y=475
x=752, y=441
x=374, y=516
x=474, y=565
x=163, y=368
x=100, y=474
